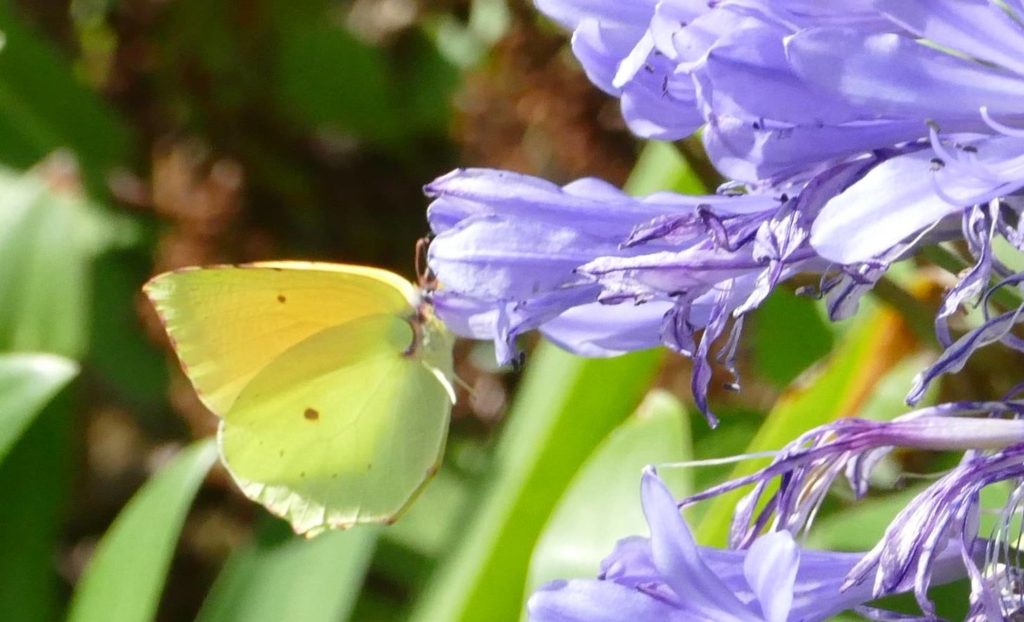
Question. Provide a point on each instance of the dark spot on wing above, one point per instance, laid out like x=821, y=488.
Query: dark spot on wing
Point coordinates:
x=302, y=474
x=334, y=476
x=311, y=414
x=281, y=298
x=280, y=454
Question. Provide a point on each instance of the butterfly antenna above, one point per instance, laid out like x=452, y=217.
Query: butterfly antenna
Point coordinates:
x=424, y=275
x=465, y=385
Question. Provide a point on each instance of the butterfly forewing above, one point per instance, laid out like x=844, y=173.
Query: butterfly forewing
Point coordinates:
x=228, y=322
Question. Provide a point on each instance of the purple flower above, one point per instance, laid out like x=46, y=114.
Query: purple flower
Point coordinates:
x=602, y=273
x=612, y=39
x=809, y=465
x=944, y=514
x=669, y=577
x=854, y=139
x=993, y=329
x=944, y=75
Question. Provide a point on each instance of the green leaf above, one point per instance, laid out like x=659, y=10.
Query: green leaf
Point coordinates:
x=125, y=577
x=27, y=383
x=283, y=577
x=783, y=320
x=43, y=107
x=562, y=411
x=661, y=167
x=602, y=504
x=429, y=525
x=328, y=77
x=465, y=46
x=859, y=527
x=48, y=237
x=129, y=363
x=840, y=387
x=35, y=484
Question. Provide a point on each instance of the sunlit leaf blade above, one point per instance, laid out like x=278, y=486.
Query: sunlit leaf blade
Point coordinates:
x=27, y=383
x=661, y=167
x=283, y=577
x=563, y=410
x=602, y=504
x=48, y=237
x=840, y=387
x=125, y=577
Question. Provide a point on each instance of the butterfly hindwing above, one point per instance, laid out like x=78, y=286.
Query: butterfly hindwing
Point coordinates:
x=343, y=428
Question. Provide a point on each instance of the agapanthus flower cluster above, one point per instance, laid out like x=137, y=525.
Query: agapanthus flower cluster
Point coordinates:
x=669, y=577
x=853, y=132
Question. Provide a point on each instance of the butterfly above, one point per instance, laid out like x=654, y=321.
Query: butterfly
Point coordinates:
x=333, y=383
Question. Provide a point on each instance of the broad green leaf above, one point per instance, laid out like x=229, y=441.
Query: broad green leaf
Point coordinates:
x=35, y=484
x=430, y=524
x=326, y=76
x=429, y=528
x=662, y=167
x=48, y=237
x=43, y=107
x=602, y=504
x=431, y=81
x=130, y=363
x=858, y=527
x=837, y=388
x=888, y=397
x=27, y=383
x=409, y=549
x=125, y=577
x=783, y=320
x=280, y=576
x=564, y=407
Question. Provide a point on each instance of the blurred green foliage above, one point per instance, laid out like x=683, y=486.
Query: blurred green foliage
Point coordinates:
x=137, y=136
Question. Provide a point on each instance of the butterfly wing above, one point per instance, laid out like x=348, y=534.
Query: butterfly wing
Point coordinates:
x=228, y=322
x=334, y=398
x=343, y=428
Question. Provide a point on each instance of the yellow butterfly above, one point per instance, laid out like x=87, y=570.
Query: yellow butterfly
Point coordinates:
x=332, y=382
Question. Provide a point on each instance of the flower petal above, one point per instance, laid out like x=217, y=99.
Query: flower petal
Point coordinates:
x=896, y=75
x=893, y=201
x=600, y=330
x=600, y=601
x=677, y=557
x=770, y=568
x=979, y=28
